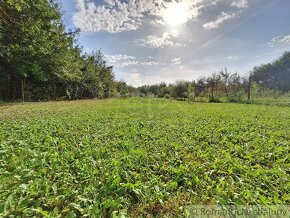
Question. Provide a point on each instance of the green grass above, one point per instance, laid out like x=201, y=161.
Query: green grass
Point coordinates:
x=279, y=101
x=140, y=157
x=283, y=101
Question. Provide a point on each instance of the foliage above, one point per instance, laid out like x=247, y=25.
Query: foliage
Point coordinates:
x=268, y=80
x=140, y=157
x=125, y=90
x=213, y=87
x=274, y=75
x=180, y=90
x=40, y=60
x=98, y=78
x=236, y=96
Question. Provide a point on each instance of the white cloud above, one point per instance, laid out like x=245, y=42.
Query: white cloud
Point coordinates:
x=220, y=20
x=111, y=16
x=279, y=40
x=132, y=78
x=119, y=57
x=149, y=63
x=118, y=15
x=126, y=63
x=121, y=60
x=166, y=40
x=232, y=57
x=240, y=4
x=176, y=61
x=168, y=74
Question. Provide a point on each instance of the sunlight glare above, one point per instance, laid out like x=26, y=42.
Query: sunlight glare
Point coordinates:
x=176, y=13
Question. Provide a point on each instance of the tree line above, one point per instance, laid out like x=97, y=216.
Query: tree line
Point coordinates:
x=40, y=60
x=222, y=84
x=270, y=79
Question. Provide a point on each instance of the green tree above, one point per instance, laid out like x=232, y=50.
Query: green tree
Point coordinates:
x=98, y=78
x=274, y=75
x=213, y=82
x=40, y=60
x=122, y=89
x=32, y=34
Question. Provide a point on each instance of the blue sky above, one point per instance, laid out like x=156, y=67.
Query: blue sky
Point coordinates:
x=149, y=41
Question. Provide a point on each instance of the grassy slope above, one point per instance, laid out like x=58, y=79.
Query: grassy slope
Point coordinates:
x=140, y=156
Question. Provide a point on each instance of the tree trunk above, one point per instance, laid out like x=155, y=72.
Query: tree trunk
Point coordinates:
x=249, y=87
x=9, y=86
x=212, y=91
x=54, y=92
x=22, y=90
x=226, y=90
x=194, y=93
x=14, y=89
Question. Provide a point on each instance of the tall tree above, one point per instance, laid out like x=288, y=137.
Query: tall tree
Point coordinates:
x=274, y=75
x=32, y=30
x=39, y=57
x=98, y=77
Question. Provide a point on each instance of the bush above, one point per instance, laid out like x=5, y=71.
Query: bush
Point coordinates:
x=235, y=96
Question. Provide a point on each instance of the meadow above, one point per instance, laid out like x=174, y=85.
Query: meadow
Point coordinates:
x=140, y=157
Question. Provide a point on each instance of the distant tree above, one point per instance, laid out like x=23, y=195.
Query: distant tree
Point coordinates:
x=231, y=85
x=97, y=78
x=144, y=91
x=213, y=82
x=180, y=90
x=132, y=91
x=191, y=91
x=225, y=80
x=122, y=89
x=201, y=87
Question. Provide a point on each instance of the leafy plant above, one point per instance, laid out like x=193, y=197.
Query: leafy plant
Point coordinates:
x=140, y=157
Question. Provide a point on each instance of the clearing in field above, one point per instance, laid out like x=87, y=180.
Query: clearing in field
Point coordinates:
x=140, y=157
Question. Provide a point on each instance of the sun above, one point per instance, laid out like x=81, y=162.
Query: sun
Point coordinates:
x=176, y=13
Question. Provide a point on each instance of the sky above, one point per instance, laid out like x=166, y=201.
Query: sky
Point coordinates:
x=153, y=41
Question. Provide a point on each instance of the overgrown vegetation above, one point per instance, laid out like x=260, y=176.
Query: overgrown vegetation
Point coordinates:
x=137, y=157
x=40, y=60
x=276, y=75
x=267, y=81
x=140, y=157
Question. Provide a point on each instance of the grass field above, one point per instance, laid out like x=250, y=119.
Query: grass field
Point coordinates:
x=140, y=157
